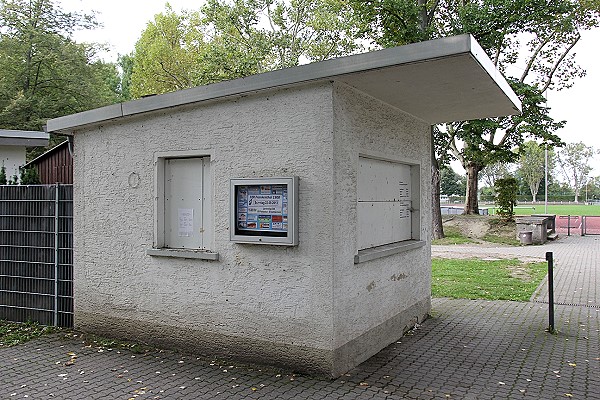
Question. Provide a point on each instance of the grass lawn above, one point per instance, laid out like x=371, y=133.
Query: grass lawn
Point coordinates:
x=13, y=333
x=558, y=209
x=452, y=236
x=508, y=279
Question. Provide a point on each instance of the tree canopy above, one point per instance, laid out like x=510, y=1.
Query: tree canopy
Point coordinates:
x=45, y=74
x=530, y=41
x=574, y=162
x=228, y=39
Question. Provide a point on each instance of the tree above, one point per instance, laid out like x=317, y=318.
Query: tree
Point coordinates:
x=229, y=39
x=574, y=162
x=125, y=63
x=506, y=197
x=45, y=74
x=451, y=183
x=3, y=180
x=166, y=53
x=29, y=176
x=532, y=165
x=532, y=37
x=492, y=172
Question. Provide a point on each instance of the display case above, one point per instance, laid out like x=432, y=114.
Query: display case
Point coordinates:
x=264, y=211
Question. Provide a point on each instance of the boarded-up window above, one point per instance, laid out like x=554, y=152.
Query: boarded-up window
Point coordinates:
x=187, y=203
x=384, y=202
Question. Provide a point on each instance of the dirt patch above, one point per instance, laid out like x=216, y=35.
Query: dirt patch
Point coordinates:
x=475, y=227
x=482, y=251
x=481, y=226
x=520, y=272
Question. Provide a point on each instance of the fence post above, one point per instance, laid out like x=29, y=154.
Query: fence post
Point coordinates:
x=568, y=225
x=583, y=225
x=550, y=259
x=56, y=242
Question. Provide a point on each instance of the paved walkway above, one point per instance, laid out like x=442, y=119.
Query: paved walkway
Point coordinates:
x=467, y=350
x=576, y=264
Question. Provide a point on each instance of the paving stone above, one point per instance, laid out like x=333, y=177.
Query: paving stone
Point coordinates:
x=467, y=350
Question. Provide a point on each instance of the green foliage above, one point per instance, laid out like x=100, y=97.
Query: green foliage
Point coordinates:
x=532, y=165
x=44, y=73
x=492, y=172
x=125, y=63
x=574, y=162
x=3, y=180
x=451, y=183
x=490, y=280
x=13, y=333
x=29, y=176
x=506, y=197
x=452, y=236
x=533, y=38
x=229, y=39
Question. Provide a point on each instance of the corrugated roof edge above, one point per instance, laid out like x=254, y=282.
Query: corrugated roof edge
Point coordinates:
x=328, y=69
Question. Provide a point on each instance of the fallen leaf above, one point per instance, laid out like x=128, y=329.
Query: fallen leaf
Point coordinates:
x=501, y=383
x=572, y=364
x=363, y=384
x=568, y=395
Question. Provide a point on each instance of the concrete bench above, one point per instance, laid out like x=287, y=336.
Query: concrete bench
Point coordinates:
x=550, y=224
x=538, y=226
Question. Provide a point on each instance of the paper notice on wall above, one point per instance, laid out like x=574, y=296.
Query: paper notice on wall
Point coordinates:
x=186, y=222
x=265, y=204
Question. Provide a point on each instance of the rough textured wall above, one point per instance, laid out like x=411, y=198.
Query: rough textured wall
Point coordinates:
x=376, y=300
x=12, y=157
x=276, y=300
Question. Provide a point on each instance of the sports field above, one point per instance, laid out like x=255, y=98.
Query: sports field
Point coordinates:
x=558, y=209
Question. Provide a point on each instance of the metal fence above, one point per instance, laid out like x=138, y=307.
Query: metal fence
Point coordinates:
x=36, y=254
x=578, y=225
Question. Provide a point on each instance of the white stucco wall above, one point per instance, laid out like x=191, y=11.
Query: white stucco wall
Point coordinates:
x=307, y=306
x=274, y=294
x=12, y=157
x=387, y=295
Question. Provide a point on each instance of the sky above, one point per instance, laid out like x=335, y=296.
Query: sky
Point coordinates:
x=123, y=22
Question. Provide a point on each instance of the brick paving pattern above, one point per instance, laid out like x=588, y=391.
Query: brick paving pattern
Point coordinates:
x=467, y=350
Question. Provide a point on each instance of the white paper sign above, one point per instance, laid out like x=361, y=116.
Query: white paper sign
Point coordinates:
x=266, y=204
x=186, y=222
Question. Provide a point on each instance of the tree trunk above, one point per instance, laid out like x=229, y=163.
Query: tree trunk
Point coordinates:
x=437, y=229
x=534, y=197
x=472, y=202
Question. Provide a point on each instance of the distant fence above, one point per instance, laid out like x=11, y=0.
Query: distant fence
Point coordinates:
x=36, y=254
x=578, y=225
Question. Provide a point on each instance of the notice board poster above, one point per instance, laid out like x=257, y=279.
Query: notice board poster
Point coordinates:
x=262, y=208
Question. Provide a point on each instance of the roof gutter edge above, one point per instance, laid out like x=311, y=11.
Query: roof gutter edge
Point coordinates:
x=328, y=69
x=486, y=63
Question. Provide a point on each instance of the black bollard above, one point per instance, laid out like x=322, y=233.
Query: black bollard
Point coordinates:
x=550, y=259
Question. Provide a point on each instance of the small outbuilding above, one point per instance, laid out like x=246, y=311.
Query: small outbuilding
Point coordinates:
x=283, y=218
x=13, y=147
x=55, y=165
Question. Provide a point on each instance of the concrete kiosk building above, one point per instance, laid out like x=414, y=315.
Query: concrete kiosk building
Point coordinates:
x=170, y=246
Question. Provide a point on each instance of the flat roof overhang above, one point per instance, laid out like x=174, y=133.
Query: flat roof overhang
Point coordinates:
x=23, y=138
x=443, y=80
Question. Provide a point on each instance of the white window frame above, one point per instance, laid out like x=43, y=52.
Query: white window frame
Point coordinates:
x=368, y=254
x=159, y=249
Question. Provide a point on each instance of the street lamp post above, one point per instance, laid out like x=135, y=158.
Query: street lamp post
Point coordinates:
x=546, y=179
